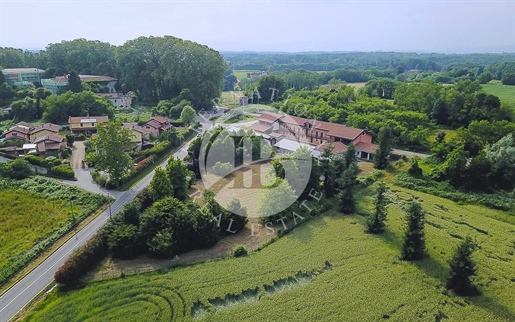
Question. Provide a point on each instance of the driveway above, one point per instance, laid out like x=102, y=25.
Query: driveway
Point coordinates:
x=78, y=154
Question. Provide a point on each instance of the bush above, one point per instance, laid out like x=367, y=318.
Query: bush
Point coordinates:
x=222, y=169
x=81, y=261
x=240, y=251
x=415, y=170
x=36, y=160
x=17, y=169
x=62, y=171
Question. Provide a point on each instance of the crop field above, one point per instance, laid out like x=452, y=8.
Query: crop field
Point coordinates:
x=505, y=92
x=35, y=213
x=327, y=269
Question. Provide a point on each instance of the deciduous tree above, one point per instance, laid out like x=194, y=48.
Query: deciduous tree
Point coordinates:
x=111, y=143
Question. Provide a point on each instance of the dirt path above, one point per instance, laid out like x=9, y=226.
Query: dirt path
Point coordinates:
x=79, y=154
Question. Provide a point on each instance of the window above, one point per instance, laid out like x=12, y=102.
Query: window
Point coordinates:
x=81, y=125
x=316, y=135
x=15, y=134
x=321, y=135
x=93, y=124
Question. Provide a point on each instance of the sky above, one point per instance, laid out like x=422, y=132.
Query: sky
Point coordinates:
x=288, y=26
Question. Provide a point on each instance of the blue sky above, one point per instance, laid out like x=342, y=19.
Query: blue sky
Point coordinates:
x=422, y=26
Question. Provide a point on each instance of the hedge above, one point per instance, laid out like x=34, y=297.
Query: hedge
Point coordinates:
x=62, y=171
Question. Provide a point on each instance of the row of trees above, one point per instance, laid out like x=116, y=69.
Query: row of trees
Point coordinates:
x=154, y=68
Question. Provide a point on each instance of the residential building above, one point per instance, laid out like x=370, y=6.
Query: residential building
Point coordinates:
x=118, y=100
x=137, y=134
x=22, y=77
x=19, y=131
x=86, y=124
x=157, y=125
x=43, y=129
x=314, y=133
x=50, y=144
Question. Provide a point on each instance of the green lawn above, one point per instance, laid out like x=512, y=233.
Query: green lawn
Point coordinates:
x=325, y=270
x=449, y=135
x=505, y=92
x=242, y=74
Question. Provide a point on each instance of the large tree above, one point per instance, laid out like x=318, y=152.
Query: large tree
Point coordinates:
x=160, y=185
x=188, y=115
x=111, y=143
x=158, y=68
x=74, y=82
x=414, y=246
x=178, y=173
x=57, y=108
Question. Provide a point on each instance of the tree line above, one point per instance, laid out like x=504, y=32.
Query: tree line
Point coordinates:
x=154, y=68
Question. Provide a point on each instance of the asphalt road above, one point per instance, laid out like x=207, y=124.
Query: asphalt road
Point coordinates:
x=31, y=285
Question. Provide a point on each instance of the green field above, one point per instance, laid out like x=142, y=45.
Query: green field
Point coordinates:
x=325, y=270
x=35, y=213
x=242, y=74
x=24, y=219
x=131, y=115
x=505, y=92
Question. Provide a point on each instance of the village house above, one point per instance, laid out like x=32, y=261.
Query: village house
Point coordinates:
x=157, y=125
x=137, y=135
x=119, y=100
x=277, y=127
x=86, y=124
x=50, y=144
x=18, y=132
x=42, y=130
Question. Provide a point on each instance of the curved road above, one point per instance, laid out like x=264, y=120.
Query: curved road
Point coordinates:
x=17, y=297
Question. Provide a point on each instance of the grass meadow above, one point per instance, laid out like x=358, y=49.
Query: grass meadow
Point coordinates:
x=505, y=92
x=327, y=269
x=35, y=213
x=24, y=218
x=242, y=74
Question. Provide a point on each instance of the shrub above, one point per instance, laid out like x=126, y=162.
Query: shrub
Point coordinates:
x=222, y=169
x=240, y=251
x=36, y=160
x=17, y=169
x=81, y=261
x=415, y=170
x=62, y=171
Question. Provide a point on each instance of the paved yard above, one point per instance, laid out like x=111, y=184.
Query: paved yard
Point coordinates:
x=79, y=154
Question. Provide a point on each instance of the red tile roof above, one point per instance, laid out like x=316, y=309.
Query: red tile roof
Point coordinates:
x=366, y=147
x=47, y=126
x=276, y=135
x=153, y=123
x=269, y=117
x=261, y=127
x=339, y=147
x=50, y=137
x=161, y=119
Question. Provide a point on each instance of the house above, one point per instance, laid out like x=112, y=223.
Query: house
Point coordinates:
x=50, y=144
x=86, y=124
x=157, y=125
x=43, y=129
x=137, y=134
x=315, y=133
x=287, y=146
x=117, y=99
x=19, y=131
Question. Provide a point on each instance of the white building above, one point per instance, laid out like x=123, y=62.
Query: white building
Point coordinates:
x=119, y=100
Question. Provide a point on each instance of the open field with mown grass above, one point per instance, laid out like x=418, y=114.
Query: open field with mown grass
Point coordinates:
x=505, y=92
x=242, y=74
x=326, y=270
x=35, y=213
